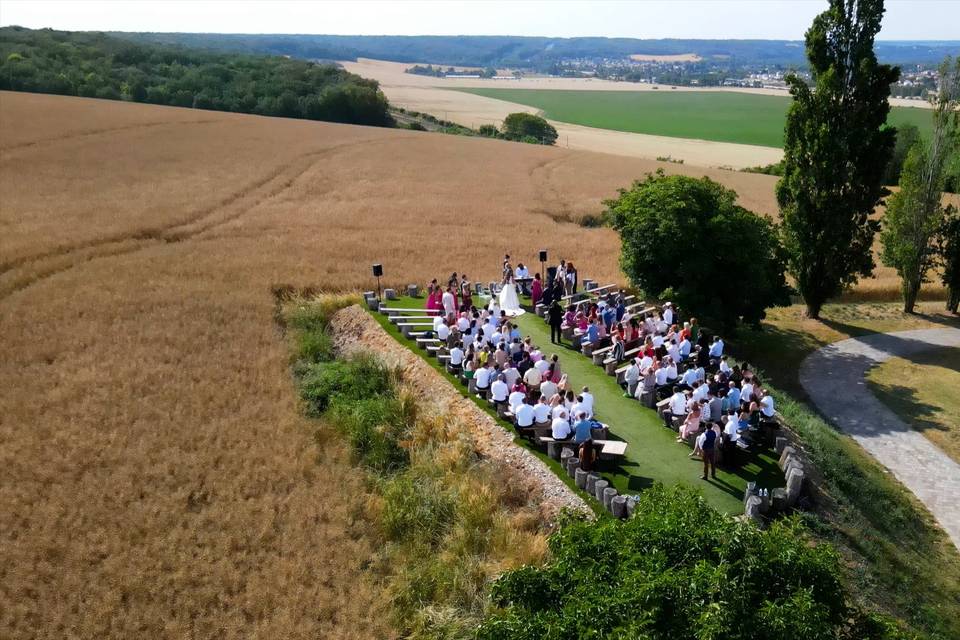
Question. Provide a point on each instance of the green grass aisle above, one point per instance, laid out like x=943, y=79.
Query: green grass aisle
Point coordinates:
x=652, y=453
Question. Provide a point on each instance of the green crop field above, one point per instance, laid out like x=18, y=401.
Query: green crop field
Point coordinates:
x=705, y=115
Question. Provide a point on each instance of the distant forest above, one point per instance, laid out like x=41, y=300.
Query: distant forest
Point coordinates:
x=528, y=52
x=102, y=66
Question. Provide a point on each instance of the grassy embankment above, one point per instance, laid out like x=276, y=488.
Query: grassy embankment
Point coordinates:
x=652, y=455
x=896, y=555
x=449, y=522
x=925, y=393
x=707, y=115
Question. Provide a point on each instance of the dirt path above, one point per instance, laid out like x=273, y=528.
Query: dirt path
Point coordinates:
x=834, y=378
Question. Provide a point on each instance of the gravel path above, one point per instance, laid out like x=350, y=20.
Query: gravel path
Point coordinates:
x=834, y=378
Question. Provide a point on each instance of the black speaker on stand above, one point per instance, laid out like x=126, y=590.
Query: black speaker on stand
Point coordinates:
x=377, y=272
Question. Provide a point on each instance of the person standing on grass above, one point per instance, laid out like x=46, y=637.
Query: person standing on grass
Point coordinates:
x=536, y=290
x=555, y=314
x=708, y=451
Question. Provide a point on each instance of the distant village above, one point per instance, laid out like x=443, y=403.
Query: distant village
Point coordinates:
x=915, y=82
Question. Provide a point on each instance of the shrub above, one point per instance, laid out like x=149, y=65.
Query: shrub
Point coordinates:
x=416, y=509
x=375, y=427
x=351, y=380
x=488, y=131
x=527, y=127
x=677, y=569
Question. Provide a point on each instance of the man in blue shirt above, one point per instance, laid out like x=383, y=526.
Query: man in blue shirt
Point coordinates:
x=609, y=317
x=593, y=333
x=582, y=429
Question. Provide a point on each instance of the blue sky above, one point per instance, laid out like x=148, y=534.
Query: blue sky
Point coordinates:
x=768, y=19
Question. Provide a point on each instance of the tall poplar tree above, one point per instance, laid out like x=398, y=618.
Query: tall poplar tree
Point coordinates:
x=916, y=212
x=835, y=152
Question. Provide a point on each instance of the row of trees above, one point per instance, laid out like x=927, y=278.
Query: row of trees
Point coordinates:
x=687, y=238
x=99, y=66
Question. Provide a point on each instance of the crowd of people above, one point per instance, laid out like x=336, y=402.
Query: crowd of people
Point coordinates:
x=488, y=351
x=705, y=400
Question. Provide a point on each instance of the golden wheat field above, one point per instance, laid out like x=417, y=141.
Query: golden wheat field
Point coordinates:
x=156, y=476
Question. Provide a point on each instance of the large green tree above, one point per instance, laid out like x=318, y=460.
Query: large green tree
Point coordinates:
x=949, y=252
x=687, y=238
x=836, y=148
x=916, y=212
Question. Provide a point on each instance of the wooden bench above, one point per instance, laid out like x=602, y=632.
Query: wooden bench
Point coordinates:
x=388, y=310
x=425, y=342
x=397, y=317
x=610, y=365
x=608, y=448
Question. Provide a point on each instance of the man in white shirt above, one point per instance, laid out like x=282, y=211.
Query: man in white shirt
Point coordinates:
x=499, y=390
x=724, y=366
x=661, y=375
x=657, y=340
x=438, y=322
x=542, y=365
x=746, y=390
x=541, y=412
x=524, y=413
x=588, y=401
x=579, y=407
x=548, y=388
x=560, y=428
x=456, y=356
x=700, y=391
x=673, y=350
x=489, y=330
x=522, y=271
x=646, y=362
x=532, y=378
x=766, y=405
x=676, y=408
x=447, y=301
x=688, y=378
x=515, y=400
x=671, y=371
x=443, y=332
x=632, y=377
x=482, y=377
x=716, y=347
x=668, y=313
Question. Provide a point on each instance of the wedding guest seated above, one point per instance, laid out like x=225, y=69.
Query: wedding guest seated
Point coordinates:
x=676, y=408
x=688, y=378
x=456, y=357
x=716, y=349
x=543, y=366
x=731, y=402
x=768, y=412
x=541, y=411
x=560, y=427
x=524, y=414
x=587, y=399
x=499, y=390
x=510, y=374
x=725, y=366
x=482, y=377
x=592, y=335
x=582, y=429
x=532, y=378
x=691, y=424
x=548, y=388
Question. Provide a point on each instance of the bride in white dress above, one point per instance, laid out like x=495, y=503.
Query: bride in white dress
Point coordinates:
x=509, y=301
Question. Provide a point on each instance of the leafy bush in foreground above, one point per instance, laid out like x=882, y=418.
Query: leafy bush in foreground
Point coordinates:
x=678, y=569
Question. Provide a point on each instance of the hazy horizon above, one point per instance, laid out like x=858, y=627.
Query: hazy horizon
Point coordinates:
x=914, y=20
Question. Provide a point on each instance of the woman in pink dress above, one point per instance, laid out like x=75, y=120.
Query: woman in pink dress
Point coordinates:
x=434, y=297
x=536, y=290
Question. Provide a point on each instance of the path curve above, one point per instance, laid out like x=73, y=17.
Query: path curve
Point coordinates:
x=834, y=376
